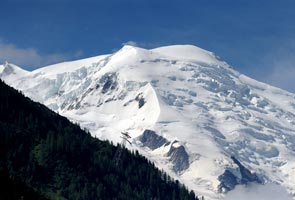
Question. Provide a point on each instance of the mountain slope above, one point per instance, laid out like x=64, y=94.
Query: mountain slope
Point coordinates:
x=189, y=112
x=43, y=153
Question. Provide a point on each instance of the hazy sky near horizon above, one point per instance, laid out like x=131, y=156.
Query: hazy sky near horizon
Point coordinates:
x=256, y=37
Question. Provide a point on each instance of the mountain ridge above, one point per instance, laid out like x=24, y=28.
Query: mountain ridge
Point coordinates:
x=200, y=105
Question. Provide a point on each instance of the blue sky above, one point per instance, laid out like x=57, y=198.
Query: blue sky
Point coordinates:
x=257, y=37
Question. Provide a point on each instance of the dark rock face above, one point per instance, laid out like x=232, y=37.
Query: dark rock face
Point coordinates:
x=228, y=180
x=108, y=82
x=178, y=155
x=247, y=176
x=139, y=98
x=150, y=139
x=179, y=158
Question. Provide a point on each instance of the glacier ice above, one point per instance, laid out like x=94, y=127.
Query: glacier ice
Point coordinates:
x=186, y=110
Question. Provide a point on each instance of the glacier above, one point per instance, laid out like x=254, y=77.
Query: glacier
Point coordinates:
x=189, y=112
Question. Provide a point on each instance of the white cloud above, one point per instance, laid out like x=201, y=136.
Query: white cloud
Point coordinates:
x=30, y=58
x=258, y=192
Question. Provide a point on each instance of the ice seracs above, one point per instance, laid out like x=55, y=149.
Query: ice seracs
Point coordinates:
x=191, y=113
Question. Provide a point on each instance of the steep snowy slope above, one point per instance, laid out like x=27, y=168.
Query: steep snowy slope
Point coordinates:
x=11, y=72
x=192, y=114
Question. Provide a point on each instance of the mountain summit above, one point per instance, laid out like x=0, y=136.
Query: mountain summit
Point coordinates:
x=186, y=110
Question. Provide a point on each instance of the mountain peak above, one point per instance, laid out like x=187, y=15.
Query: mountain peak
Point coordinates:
x=199, y=112
x=135, y=49
x=10, y=69
x=178, y=52
x=189, y=52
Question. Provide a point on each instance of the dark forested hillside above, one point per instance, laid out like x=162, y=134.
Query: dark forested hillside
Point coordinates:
x=12, y=189
x=43, y=154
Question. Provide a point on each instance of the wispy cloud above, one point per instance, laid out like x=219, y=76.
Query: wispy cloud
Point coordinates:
x=147, y=45
x=282, y=74
x=281, y=63
x=131, y=43
x=31, y=58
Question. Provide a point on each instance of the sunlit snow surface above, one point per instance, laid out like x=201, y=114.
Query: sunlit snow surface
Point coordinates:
x=187, y=96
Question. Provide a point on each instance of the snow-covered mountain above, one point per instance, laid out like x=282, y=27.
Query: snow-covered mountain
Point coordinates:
x=192, y=114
